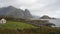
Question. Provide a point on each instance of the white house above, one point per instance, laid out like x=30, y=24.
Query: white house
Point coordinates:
x=2, y=21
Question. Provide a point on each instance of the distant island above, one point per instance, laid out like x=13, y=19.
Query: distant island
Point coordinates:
x=46, y=17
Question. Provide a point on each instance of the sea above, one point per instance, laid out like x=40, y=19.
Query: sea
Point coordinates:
x=54, y=21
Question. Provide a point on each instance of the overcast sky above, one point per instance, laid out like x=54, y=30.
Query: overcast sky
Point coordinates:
x=36, y=7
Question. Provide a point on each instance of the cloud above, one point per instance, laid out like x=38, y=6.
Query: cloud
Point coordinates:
x=36, y=7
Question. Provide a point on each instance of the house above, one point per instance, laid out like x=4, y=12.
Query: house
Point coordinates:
x=2, y=21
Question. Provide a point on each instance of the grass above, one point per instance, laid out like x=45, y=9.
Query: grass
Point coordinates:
x=14, y=25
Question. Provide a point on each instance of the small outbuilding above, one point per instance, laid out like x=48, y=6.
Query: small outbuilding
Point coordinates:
x=2, y=21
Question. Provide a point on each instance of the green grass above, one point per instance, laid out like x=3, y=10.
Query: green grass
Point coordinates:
x=14, y=25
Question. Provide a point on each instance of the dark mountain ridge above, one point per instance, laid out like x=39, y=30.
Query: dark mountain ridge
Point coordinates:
x=14, y=12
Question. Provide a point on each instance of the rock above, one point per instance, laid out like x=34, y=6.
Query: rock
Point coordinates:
x=27, y=14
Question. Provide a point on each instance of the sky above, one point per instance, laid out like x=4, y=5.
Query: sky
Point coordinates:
x=36, y=7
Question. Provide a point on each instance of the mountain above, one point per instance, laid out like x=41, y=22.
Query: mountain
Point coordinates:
x=27, y=13
x=15, y=12
x=46, y=17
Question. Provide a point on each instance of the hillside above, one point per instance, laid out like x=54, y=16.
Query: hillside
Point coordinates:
x=14, y=25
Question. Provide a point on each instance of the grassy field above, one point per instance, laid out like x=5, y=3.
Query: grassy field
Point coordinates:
x=14, y=25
